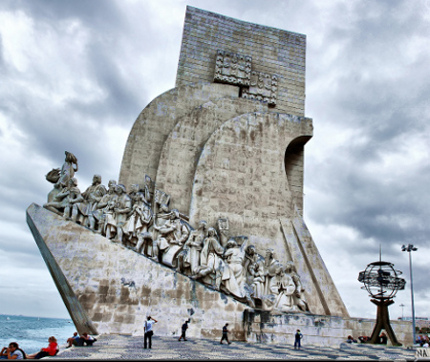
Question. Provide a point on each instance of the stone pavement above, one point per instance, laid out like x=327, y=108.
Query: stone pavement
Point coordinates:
x=113, y=347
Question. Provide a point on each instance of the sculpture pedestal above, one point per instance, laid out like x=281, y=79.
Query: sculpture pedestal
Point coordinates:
x=383, y=322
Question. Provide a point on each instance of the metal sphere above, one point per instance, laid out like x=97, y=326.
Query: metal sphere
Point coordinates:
x=381, y=280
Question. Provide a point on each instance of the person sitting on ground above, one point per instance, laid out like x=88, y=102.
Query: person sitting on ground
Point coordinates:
x=72, y=340
x=363, y=339
x=351, y=340
x=12, y=352
x=86, y=339
x=51, y=350
x=383, y=338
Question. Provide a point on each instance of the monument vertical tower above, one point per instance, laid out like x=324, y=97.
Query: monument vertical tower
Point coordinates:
x=228, y=141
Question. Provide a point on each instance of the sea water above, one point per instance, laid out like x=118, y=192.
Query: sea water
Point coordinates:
x=32, y=333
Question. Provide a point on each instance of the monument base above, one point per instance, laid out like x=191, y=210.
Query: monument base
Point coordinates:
x=110, y=289
x=318, y=330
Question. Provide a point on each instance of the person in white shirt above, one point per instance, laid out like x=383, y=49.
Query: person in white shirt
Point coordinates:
x=148, y=331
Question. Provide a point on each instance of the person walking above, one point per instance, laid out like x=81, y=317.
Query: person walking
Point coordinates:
x=225, y=334
x=148, y=331
x=184, y=330
x=297, y=338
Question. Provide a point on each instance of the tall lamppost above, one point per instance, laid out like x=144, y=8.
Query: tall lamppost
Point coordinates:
x=409, y=249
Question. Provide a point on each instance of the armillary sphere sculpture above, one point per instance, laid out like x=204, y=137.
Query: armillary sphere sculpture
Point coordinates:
x=382, y=282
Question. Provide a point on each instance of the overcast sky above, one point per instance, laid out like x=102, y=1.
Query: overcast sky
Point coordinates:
x=74, y=75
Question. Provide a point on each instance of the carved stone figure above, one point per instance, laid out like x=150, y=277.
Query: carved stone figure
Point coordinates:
x=109, y=216
x=250, y=264
x=67, y=169
x=283, y=287
x=223, y=229
x=173, y=233
x=64, y=200
x=147, y=190
x=189, y=257
x=97, y=216
x=139, y=219
x=258, y=282
x=55, y=201
x=270, y=268
x=92, y=195
x=299, y=297
x=121, y=209
x=235, y=258
x=74, y=196
x=212, y=266
x=134, y=189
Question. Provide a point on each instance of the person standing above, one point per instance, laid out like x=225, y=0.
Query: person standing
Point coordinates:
x=225, y=334
x=184, y=330
x=297, y=338
x=148, y=331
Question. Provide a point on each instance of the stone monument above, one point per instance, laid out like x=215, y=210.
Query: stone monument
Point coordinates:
x=206, y=219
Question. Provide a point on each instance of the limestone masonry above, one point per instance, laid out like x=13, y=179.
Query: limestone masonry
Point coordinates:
x=206, y=219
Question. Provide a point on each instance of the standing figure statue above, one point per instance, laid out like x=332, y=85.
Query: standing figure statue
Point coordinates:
x=60, y=179
x=235, y=258
x=121, y=209
x=109, y=216
x=250, y=264
x=189, y=257
x=147, y=190
x=270, y=268
x=299, y=296
x=223, y=228
x=68, y=170
x=97, y=216
x=258, y=281
x=139, y=220
x=91, y=197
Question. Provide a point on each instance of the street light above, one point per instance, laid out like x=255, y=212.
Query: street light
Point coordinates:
x=410, y=248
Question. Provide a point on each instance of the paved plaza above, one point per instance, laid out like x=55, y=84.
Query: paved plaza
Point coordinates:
x=113, y=347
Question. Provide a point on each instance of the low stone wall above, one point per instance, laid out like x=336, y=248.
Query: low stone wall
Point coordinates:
x=263, y=327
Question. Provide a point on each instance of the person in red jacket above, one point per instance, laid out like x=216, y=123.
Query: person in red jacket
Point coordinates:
x=51, y=350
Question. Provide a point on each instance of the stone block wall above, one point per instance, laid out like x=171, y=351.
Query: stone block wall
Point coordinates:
x=273, y=51
x=108, y=288
x=153, y=125
x=318, y=330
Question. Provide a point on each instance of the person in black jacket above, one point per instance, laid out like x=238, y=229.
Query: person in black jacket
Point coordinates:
x=184, y=330
x=225, y=334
